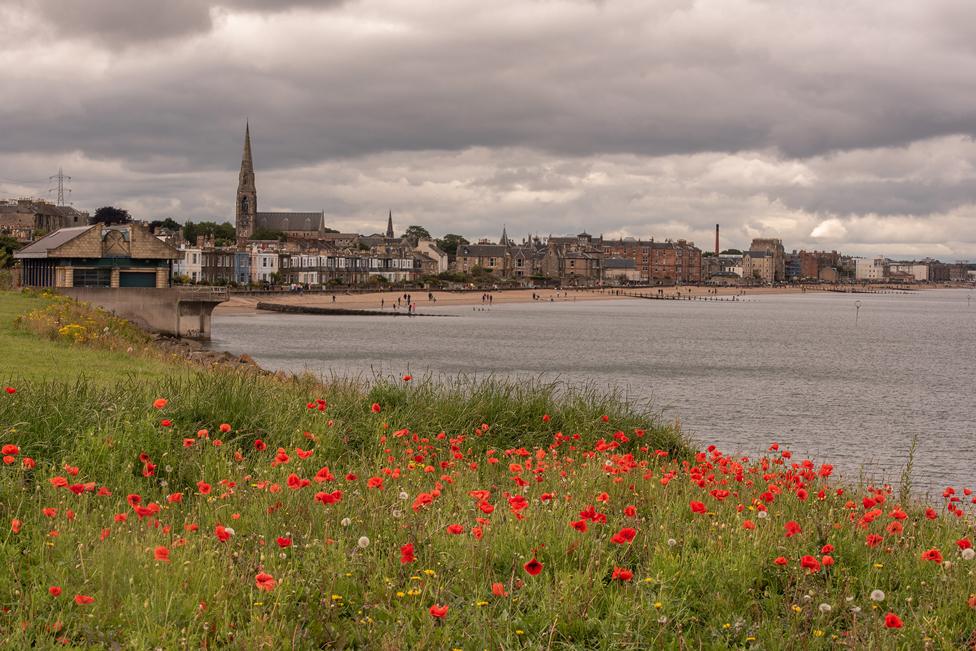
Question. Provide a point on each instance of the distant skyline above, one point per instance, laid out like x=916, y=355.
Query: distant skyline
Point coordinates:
x=844, y=126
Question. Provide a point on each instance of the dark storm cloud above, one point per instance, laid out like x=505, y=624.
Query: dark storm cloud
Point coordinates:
x=628, y=117
x=116, y=23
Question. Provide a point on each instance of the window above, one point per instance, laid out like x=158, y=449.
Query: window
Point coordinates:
x=92, y=277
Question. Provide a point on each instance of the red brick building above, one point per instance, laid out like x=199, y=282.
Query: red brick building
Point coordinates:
x=660, y=263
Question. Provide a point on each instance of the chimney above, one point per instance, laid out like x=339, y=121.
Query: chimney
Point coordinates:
x=716, y=239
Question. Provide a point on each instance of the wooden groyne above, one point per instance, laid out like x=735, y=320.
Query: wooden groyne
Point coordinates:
x=687, y=297
x=335, y=311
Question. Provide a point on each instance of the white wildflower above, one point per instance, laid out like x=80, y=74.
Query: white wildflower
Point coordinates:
x=403, y=495
x=968, y=554
x=363, y=542
x=877, y=595
x=345, y=522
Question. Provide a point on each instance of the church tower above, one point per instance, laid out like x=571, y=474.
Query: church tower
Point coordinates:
x=389, y=227
x=247, y=194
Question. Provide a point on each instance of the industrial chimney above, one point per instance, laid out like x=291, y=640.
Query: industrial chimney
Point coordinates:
x=716, y=240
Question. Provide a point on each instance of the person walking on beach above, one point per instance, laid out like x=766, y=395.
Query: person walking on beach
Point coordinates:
x=382, y=303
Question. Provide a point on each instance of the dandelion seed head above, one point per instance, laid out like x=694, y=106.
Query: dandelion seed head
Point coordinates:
x=877, y=595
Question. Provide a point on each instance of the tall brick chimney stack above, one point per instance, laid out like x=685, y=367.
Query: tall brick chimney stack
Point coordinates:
x=716, y=239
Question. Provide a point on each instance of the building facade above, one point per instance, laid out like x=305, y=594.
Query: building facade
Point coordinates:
x=123, y=255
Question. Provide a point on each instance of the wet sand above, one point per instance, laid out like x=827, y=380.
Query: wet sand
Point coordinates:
x=385, y=301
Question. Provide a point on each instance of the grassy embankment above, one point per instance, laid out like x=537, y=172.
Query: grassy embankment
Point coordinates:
x=317, y=559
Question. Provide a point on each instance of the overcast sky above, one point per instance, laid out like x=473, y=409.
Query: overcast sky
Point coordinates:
x=842, y=124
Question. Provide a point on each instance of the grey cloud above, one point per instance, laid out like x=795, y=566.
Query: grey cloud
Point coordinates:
x=117, y=23
x=631, y=117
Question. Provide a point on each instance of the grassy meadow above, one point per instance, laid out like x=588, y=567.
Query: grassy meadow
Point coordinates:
x=151, y=505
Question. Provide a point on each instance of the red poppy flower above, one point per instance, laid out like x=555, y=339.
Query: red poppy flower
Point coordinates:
x=83, y=599
x=827, y=549
x=203, y=487
x=159, y=403
x=265, y=581
x=224, y=427
x=438, y=611
x=579, y=525
x=304, y=454
x=964, y=543
x=893, y=621
x=533, y=567
x=161, y=554
x=283, y=542
x=546, y=418
x=260, y=445
x=375, y=482
x=455, y=529
x=621, y=574
x=697, y=507
x=873, y=540
x=15, y=525
x=933, y=555
x=827, y=560
x=780, y=560
x=407, y=554
x=407, y=377
x=498, y=589
x=810, y=563
x=174, y=498
x=54, y=591
x=792, y=529
x=10, y=390
x=630, y=511
x=375, y=408
x=221, y=532
x=625, y=535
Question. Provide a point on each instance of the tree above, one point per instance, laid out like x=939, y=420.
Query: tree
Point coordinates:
x=449, y=243
x=731, y=252
x=224, y=233
x=267, y=234
x=7, y=247
x=416, y=233
x=168, y=224
x=110, y=215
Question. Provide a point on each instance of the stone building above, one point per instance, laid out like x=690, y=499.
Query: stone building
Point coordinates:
x=26, y=219
x=777, y=254
x=302, y=225
x=122, y=255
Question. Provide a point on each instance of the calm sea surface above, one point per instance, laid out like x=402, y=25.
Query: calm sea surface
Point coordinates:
x=793, y=368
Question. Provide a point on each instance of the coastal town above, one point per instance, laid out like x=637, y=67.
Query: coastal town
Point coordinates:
x=53, y=245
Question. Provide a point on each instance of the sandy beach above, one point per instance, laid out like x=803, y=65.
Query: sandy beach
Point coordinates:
x=247, y=304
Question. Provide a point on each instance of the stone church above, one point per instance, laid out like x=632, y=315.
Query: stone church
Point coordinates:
x=301, y=225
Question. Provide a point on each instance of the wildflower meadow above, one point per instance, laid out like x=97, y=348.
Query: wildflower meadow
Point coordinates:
x=220, y=508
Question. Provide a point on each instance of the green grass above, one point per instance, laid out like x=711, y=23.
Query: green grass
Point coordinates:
x=700, y=580
x=25, y=356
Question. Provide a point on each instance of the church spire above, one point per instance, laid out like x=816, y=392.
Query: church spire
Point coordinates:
x=247, y=194
x=504, y=240
x=246, y=162
x=389, y=227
